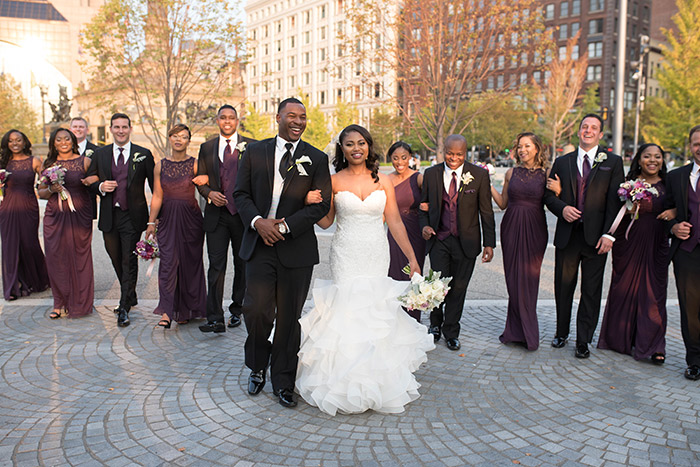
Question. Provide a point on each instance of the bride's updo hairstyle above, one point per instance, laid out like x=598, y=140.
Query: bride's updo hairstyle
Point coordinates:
x=372, y=161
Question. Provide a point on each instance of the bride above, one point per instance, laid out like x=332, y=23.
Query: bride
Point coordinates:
x=359, y=348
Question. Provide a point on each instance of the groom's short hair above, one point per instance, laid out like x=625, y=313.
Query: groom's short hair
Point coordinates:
x=289, y=100
x=596, y=116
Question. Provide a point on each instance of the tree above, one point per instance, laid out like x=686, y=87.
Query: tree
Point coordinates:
x=15, y=111
x=345, y=114
x=445, y=52
x=384, y=126
x=317, y=133
x=256, y=125
x=555, y=100
x=157, y=54
x=498, y=128
x=680, y=77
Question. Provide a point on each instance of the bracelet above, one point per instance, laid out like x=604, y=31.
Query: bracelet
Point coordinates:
x=49, y=188
x=150, y=223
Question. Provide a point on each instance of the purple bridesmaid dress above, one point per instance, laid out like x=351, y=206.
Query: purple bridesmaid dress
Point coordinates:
x=180, y=235
x=68, y=243
x=634, y=322
x=23, y=264
x=524, y=240
x=408, y=199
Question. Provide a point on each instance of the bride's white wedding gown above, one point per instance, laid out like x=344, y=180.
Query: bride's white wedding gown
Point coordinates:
x=359, y=347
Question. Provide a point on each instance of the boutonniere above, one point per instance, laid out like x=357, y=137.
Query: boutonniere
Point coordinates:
x=138, y=157
x=89, y=153
x=241, y=148
x=466, y=180
x=600, y=158
x=300, y=168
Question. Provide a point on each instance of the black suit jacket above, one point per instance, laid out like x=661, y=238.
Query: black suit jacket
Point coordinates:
x=208, y=164
x=677, y=186
x=139, y=172
x=602, y=203
x=473, y=203
x=90, y=150
x=253, y=195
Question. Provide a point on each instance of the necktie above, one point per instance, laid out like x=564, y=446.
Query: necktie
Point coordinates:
x=453, y=187
x=586, y=167
x=120, y=157
x=227, y=150
x=286, y=160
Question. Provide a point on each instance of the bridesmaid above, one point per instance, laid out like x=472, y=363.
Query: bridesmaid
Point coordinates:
x=68, y=233
x=23, y=264
x=407, y=184
x=523, y=237
x=634, y=322
x=180, y=234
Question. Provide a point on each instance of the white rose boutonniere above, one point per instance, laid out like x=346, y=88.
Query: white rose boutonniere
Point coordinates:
x=600, y=157
x=89, y=153
x=466, y=179
x=300, y=168
x=241, y=148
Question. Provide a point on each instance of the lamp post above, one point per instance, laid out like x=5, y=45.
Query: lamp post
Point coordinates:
x=619, y=105
x=641, y=86
x=42, y=92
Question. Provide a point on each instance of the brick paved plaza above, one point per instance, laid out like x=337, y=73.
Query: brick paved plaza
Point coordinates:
x=85, y=392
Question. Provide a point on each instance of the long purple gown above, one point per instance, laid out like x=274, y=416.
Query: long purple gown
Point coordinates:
x=408, y=199
x=68, y=242
x=180, y=235
x=524, y=240
x=23, y=263
x=634, y=322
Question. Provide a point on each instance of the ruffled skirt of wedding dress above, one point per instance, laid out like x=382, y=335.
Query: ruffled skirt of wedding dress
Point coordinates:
x=359, y=348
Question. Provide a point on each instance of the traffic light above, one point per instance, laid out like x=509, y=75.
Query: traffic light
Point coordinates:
x=605, y=114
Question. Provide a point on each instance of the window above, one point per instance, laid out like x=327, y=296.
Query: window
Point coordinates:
x=307, y=79
x=322, y=32
x=322, y=54
x=523, y=78
x=292, y=42
x=292, y=62
x=501, y=62
x=564, y=9
x=549, y=11
x=537, y=76
x=574, y=28
x=574, y=52
x=267, y=49
x=575, y=7
x=339, y=53
x=499, y=81
x=307, y=58
x=595, y=49
x=322, y=11
x=562, y=52
x=279, y=45
x=564, y=31
x=307, y=17
x=523, y=59
x=292, y=82
x=254, y=70
x=322, y=96
x=279, y=64
x=489, y=82
x=595, y=26
x=628, y=100
x=339, y=95
x=377, y=90
x=594, y=73
x=307, y=37
x=597, y=5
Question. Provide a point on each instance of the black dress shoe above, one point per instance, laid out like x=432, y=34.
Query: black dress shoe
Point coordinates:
x=234, y=321
x=582, y=351
x=286, y=397
x=692, y=372
x=453, y=344
x=123, y=318
x=435, y=331
x=256, y=381
x=558, y=342
x=213, y=326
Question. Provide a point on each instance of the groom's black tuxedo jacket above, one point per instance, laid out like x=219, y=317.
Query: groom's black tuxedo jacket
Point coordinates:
x=473, y=203
x=138, y=173
x=677, y=186
x=208, y=164
x=253, y=195
x=602, y=203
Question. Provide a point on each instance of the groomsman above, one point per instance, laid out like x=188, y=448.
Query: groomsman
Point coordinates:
x=458, y=195
x=683, y=193
x=122, y=169
x=279, y=245
x=586, y=208
x=79, y=127
x=219, y=158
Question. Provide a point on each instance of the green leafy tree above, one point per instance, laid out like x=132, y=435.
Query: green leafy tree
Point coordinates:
x=669, y=119
x=497, y=128
x=317, y=132
x=256, y=125
x=384, y=125
x=15, y=111
x=345, y=114
x=159, y=54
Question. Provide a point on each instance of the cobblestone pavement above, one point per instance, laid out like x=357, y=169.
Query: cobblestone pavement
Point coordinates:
x=84, y=392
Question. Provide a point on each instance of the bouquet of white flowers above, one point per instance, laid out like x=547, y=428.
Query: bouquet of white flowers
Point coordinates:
x=426, y=292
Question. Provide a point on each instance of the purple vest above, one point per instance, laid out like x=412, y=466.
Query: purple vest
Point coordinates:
x=694, y=218
x=448, y=218
x=229, y=171
x=120, y=175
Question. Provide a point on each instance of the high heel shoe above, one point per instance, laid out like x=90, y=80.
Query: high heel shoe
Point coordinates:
x=164, y=323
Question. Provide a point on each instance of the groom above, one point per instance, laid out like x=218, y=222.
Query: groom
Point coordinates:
x=458, y=195
x=279, y=245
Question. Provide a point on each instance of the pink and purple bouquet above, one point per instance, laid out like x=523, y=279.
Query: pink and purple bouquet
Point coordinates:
x=4, y=174
x=147, y=249
x=426, y=292
x=632, y=192
x=54, y=174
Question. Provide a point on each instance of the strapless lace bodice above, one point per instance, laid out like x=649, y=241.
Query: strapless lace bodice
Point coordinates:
x=359, y=247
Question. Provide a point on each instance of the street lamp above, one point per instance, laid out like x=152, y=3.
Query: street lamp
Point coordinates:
x=43, y=92
x=641, y=86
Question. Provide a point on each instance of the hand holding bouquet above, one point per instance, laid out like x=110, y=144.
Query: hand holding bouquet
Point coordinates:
x=632, y=192
x=426, y=292
x=148, y=250
x=54, y=175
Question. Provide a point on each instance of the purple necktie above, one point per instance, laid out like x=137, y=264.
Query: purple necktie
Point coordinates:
x=453, y=187
x=120, y=157
x=227, y=149
x=586, y=167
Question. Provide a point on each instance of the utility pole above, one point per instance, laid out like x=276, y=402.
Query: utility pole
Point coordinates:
x=620, y=78
x=641, y=86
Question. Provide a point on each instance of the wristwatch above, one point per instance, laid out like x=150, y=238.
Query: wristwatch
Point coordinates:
x=282, y=227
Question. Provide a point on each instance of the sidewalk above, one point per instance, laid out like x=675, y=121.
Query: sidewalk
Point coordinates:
x=85, y=392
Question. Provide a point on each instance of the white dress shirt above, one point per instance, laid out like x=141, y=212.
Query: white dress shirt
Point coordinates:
x=233, y=140
x=695, y=171
x=447, y=177
x=127, y=152
x=81, y=146
x=591, y=158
